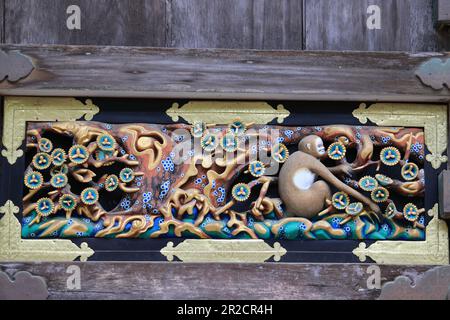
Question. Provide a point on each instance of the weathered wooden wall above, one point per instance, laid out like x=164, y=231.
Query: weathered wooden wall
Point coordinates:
x=218, y=281
x=245, y=24
x=341, y=25
x=228, y=74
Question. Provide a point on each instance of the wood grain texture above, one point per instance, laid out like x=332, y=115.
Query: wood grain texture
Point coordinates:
x=2, y=17
x=434, y=284
x=213, y=281
x=103, y=22
x=239, y=24
x=215, y=74
x=341, y=25
x=443, y=11
x=2, y=40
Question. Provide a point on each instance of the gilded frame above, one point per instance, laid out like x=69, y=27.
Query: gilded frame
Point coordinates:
x=18, y=110
x=434, y=120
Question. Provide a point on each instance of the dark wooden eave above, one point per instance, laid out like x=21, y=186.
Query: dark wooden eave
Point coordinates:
x=223, y=74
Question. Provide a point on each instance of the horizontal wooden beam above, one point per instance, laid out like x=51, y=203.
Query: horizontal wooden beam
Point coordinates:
x=108, y=280
x=222, y=74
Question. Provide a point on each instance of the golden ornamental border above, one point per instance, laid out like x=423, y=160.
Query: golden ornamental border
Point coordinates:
x=225, y=112
x=214, y=250
x=14, y=248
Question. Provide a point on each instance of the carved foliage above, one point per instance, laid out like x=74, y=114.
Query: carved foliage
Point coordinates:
x=23, y=286
x=20, y=110
x=227, y=111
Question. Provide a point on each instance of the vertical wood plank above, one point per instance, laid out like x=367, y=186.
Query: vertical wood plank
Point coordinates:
x=103, y=22
x=244, y=24
x=341, y=25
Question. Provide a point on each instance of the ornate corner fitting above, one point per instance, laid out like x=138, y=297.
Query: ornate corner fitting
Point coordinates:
x=434, y=284
x=14, y=248
x=433, y=251
x=22, y=286
x=14, y=66
x=433, y=118
x=435, y=73
x=224, y=112
x=206, y=250
x=19, y=110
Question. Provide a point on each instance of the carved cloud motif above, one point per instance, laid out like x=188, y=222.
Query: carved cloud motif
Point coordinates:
x=435, y=73
x=14, y=66
x=23, y=286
